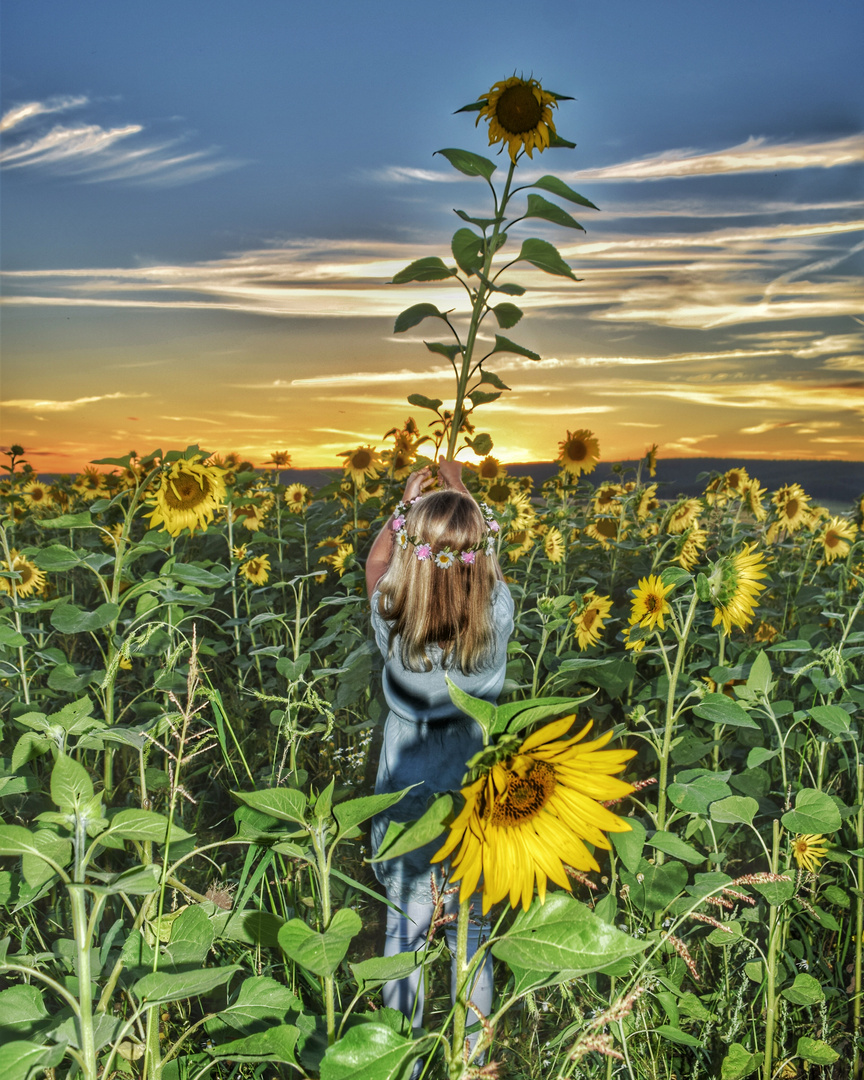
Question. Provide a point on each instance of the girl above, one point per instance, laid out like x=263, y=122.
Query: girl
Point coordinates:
x=439, y=606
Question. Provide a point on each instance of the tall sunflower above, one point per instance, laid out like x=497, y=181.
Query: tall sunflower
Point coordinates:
x=490, y=469
x=809, y=850
x=604, y=530
x=649, y=603
x=735, y=585
x=553, y=544
x=188, y=495
x=589, y=613
x=754, y=496
x=298, y=497
x=836, y=538
x=530, y=814
x=256, y=570
x=519, y=112
x=690, y=545
x=792, y=507
x=646, y=502
x=579, y=452
x=361, y=463
x=36, y=494
x=682, y=515
x=31, y=578
x=90, y=484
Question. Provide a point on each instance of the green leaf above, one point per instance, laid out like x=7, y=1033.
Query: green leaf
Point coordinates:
x=739, y=1063
x=805, y=990
x=46, y=845
x=21, y=1011
x=557, y=140
x=815, y=812
x=468, y=250
x=735, y=810
x=320, y=953
x=832, y=718
x=676, y=847
x=510, y=289
x=382, y=969
x=507, y=315
x=516, y=715
x=468, y=163
x=630, y=845
x=429, y=269
x=401, y=838
x=70, y=784
x=676, y=1035
x=10, y=637
x=482, y=397
x=816, y=1051
x=559, y=188
x=162, y=986
x=81, y=520
x=481, y=223
x=144, y=825
x=503, y=344
x=259, y=998
x=19, y=1059
x=371, y=1051
x=719, y=709
x=192, y=936
x=545, y=256
x=56, y=558
x=16, y=840
x=776, y=892
x=481, y=711
x=138, y=881
x=481, y=444
x=69, y=619
x=66, y=679
x=284, y=804
x=494, y=380
x=450, y=351
x=423, y=402
x=694, y=789
x=675, y=576
x=354, y=812
x=249, y=926
x=538, y=207
x=759, y=680
x=201, y=578
x=412, y=316
x=275, y=1044
x=563, y=934
x=653, y=888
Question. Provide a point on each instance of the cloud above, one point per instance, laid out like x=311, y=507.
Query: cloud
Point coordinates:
x=94, y=153
x=43, y=405
x=754, y=155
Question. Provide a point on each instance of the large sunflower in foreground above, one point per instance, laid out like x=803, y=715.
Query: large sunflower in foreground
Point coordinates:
x=188, y=495
x=531, y=813
x=579, y=452
x=836, y=538
x=735, y=586
x=519, y=112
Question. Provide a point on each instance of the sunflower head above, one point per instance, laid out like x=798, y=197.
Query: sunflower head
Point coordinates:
x=490, y=469
x=579, y=452
x=298, y=497
x=553, y=545
x=589, y=613
x=519, y=112
x=837, y=538
x=649, y=605
x=734, y=587
x=256, y=570
x=30, y=578
x=809, y=850
x=361, y=463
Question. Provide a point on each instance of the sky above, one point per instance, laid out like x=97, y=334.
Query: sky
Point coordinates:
x=204, y=205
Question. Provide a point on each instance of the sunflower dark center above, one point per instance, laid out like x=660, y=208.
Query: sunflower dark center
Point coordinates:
x=518, y=110
x=498, y=492
x=832, y=539
x=362, y=459
x=589, y=618
x=576, y=450
x=488, y=470
x=185, y=492
x=607, y=528
x=525, y=796
x=792, y=508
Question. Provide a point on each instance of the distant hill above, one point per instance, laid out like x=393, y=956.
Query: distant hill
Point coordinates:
x=837, y=482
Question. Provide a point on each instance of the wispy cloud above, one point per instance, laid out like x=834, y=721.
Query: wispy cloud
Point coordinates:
x=48, y=405
x=94, y=153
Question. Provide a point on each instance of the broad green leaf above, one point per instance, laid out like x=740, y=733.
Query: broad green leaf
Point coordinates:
x=20, y=1059
x=65, y=678
x=259, y=998
x=284, y=804
x=754, y=971
x=381, y=969
x=412, y=316
x=545, y=256
x=423, y=402
x=275, y=1044
x=676, y=1035
x=503, y=344
x=48, y=845
x=320, y=953
x=480, y=444
x=653, y=888
x=401, y=838
x=805, y=990
x=815, y=812
x=69, y=619
x=494, y=380
x=483, y=397
x=22, y=1010
x=16, y=840
x=71, y=785
x=629, y=845
x=201, y=578
x=81, y=520
x=730, y=933
x=739, y=1063
x=144, y=825
x=516, y=715
x=563, y=934
x=538, y=207
x=776, y=892
x=719, y=709
x=106, y=1028
x=248, y=926
x=57, y=557
x=355, y=811
x=10, y=637
x=673, y=845
x=758, y=756
x=292, y=670
x=481, y=223
x=371, y=1051
x=507, y=315
x=468, y=250
x=735, y=810
x=695, y=789
x=137, y=881
x=192, y=936
x=441, y=349
x=468, y=163
x=759, y=680
x=832, y=718
x=816, y=1051
x=429, y=269
x=482, y=711
x=162, y=986
x=559, y=188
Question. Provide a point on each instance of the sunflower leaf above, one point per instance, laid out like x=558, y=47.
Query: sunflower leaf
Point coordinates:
x=402, y=837
x=481, y=711
x=815, y=813
x=413, y=315
x=538, y=207
x=546, y=257
x=503, y=344
x=557, y=140
x=450, y=351
x=559, y=188
x=468, y=250
x=473, y=106
x=481, y=222
x=495, y=380
x=469, y=164
x=481, y=444
x=507, y=315
x=423, y=402
x=429, y=269
x=483, y=397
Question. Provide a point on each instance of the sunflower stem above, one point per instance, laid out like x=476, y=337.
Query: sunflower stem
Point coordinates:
x=857, y=1071
x=771, y=964
x=457, y=1051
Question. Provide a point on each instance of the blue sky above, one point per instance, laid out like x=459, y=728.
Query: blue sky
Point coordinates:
x=203, y=204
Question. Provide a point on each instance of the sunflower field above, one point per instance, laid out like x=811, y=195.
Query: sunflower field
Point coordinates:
x=191, y=703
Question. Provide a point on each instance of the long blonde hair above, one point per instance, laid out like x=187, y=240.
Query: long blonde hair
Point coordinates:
x=429, y=605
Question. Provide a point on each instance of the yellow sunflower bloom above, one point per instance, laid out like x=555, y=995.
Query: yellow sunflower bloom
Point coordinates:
x=90, y=484
x=649, y=603
x=646, y=503
x=256, y=570
x=531, y=813
x=588, y=614
x=361, y=463
x=735, y=586
x=579, y=452
x=520, y=513
x=553, y=545
x=691, y=544
x=279, y=459
x=400, y=460
x=490, y=469
x=341, y=559
x=753, y=498
x=792, y=507
x=298, y=497
x=683, y=514
x=651, y=459
x=498, y=493
x=809, y=850
x=836, y=539
x=604, y=530
x=31, y=578
x=519, y=112
x=188, y=495
x=607, y=499
x=36, y=494
x=637, y=644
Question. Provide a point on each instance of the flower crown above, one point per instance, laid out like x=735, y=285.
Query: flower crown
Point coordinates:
x=445, y=556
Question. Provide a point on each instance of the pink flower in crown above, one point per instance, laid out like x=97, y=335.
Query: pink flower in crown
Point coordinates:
x=467, y=556
x=494, y=526
x=422, y=551
x=398, y=522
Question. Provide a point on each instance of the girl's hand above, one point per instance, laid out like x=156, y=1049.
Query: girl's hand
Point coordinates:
x=416, y=482
x=450, y=474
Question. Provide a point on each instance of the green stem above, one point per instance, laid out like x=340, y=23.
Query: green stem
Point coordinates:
x=457, y=1050
x=859, y=924
x=771, y=965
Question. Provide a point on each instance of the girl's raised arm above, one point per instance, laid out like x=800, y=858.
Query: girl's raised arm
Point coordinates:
x=382, y=546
